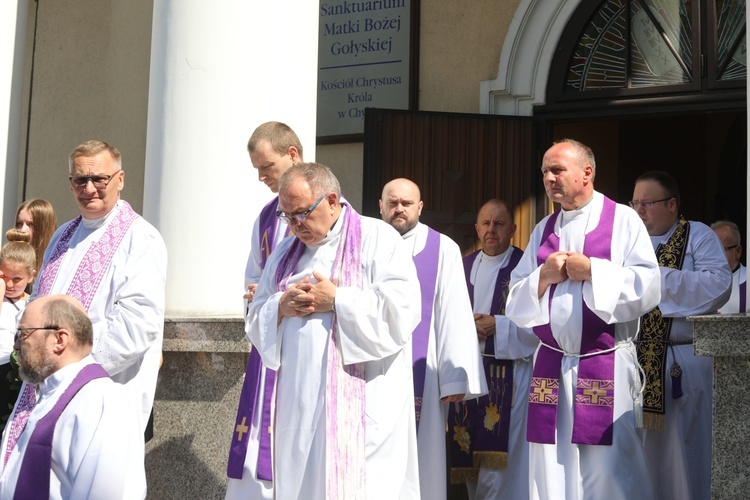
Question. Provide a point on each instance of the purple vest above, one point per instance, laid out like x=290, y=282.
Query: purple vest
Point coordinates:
x=34, y=477
x=595, y=388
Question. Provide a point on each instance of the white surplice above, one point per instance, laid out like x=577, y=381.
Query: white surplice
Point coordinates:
x=97, y=449
x=739, y=276
x=519, y=345
x=453, y=360
x=374, y=327
x=250, y=486
x=680, y=456
x=10, y=314
x=128, y=309
x=619, y=292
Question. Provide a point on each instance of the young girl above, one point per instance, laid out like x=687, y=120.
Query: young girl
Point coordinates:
x=17, y=270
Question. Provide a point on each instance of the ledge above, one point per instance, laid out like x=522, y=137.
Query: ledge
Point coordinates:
x=221, y=334
x=721, y=335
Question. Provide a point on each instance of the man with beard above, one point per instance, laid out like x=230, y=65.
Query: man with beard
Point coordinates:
x=83, y=438
x=446, y=363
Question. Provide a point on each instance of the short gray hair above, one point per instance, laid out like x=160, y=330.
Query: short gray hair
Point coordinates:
x=319, y=177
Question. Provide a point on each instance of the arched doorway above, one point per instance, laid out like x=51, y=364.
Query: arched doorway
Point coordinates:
x=648, y=84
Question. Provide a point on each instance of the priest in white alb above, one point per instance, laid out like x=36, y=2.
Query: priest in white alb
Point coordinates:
x=445, y=351
x=83, y=437
x=333, y=314
x=587, y=275
x=115, y=263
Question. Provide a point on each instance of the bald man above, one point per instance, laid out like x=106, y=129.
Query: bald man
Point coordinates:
x=445, y=352
x=83, y=438
x=729, y=234
x=494, y=463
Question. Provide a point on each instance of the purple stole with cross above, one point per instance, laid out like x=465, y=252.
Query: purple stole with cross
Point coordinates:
x=426, y=262
x=480, y=427
x=595, y=388
x=253, y=375
x=34, y=477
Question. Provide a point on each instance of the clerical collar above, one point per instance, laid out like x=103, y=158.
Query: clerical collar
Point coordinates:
x=97, y=223
x=739, y=265
x=51, y=383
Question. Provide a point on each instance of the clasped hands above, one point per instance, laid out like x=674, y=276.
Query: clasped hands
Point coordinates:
x=563, y=265
x=304, y=298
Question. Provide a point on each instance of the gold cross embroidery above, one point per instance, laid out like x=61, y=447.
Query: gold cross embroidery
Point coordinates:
x=543, y=391
x=241, y=429
x=595, y=392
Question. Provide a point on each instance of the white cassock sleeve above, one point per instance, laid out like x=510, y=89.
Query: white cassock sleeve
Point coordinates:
x=134, y=317
x=704, y=284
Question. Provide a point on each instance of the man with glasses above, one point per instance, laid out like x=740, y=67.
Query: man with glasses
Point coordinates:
x=334, y=313
x=446, y=360
x=273, y=148
x=115, y=264
x=695, y=279
x=83, y=439
x=730, y=237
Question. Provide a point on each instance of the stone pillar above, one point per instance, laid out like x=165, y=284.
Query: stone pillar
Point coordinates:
x=726, y=338
x=13, y=18
x=218, y=69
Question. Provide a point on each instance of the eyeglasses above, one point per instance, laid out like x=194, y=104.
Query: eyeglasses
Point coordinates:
x=99, y=181
x=23, y=333
x=645, y=203
x=298, y=218
x=726, y=249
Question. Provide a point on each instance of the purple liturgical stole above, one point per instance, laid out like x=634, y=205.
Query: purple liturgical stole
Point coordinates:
x=427, y=266
x=595, y=389
x=743, y=296
x=34, y=477
x=485, y=420
x=253, y=373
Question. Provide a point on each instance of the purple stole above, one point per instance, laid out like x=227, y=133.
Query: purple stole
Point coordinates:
x=594, y=400
x=253, y=373
x=95, y=263
x=34, y=477
x=480, y=427
x=743, y=296
x=426, y=262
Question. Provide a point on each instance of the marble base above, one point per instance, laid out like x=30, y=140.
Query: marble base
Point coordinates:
x=195, y=407
x=726, y=338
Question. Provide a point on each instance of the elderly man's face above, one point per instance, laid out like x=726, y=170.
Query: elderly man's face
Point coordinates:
x=96, y=202
x=732, y=247
x=297, y=199
x=34, y=345
x=495, y=228
x=566, y=180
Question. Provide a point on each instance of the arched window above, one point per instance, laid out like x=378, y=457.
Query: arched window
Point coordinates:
x=624, y=48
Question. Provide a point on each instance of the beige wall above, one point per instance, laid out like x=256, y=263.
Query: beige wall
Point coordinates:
x=90, y=81
x=91, y=76
x=460, y=44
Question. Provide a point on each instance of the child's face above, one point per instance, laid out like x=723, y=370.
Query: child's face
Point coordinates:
x=16, y=278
